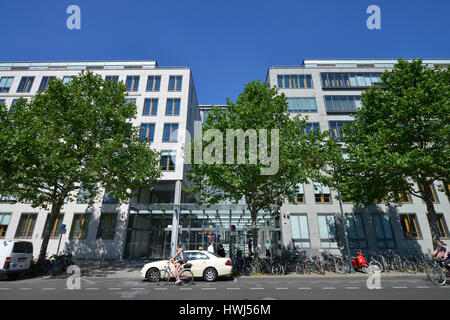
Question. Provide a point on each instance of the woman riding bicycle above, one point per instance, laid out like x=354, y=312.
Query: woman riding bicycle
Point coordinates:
x=179, y=259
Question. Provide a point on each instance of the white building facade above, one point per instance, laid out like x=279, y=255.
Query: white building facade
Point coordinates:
x=328, y=92
x=166, y=107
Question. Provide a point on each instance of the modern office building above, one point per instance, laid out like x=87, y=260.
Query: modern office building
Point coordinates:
x=328, y=92
x=149, y=225
x=167, y=110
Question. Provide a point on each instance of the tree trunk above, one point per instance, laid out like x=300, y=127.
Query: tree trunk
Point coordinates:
x=431, y=213
x=55, y=211
x=255, y=234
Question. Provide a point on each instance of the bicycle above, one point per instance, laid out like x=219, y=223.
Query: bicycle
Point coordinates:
x=186, y=276
x=437, y=272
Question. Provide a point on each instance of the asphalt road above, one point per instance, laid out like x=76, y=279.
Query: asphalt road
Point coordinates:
x=251, y=288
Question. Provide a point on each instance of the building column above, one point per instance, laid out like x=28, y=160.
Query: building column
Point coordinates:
x=176, y=217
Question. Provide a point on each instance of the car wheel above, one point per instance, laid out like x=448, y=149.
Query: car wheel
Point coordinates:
x=210, y=274
x=153, y=274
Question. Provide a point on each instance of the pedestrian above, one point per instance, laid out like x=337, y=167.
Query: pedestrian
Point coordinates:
x=268, y=247
x=211, y=247
x=221, y=250
x=250, y=253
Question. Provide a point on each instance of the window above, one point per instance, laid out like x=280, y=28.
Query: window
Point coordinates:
x=12, y=104
x=108, y=198
x=322, y=193
x=22, y=247
x=297, y=105
x=130, y=100
x=7, y=199
x=327, y=231
x=147, y=131
x=175, y=83
x=336, y=128
x=5, y=84
x=298, y=197
x=80, y=226
x=56, y=228
x=26, y=225
x=170, y=132
x=349, y=80
x=2, y=101
x=356, y=233
x=113, y=79
x=84, y=196
x=433, y=193
x=443, y=230
x=168, y=160
x=67, y=79
x=44, y=83
x=153, y=83
x=294, y=81
x=4, y=222
x=404, y=196
x=150, y=107
x=132, y=83
x=25, y=84
x=342, y=104
x=410, y=226
x=107, y=226
x=173, y=107
x=383, y=231
x=312, y=127
x=300, y=231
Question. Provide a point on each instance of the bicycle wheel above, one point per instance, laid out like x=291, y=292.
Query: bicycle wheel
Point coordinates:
x=276, y=269
x=248, y=269
x=163, y=278
x=186, y=277
x=437, y=276
x=375, y=266
x=410, y=267
x=342, y=267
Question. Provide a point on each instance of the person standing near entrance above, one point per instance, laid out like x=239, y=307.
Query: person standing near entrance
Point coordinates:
x=221, y=250
x=268, y=247
x=250, y=253
x=211, y=247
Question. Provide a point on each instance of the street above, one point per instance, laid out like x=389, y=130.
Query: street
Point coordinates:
x=351, y=287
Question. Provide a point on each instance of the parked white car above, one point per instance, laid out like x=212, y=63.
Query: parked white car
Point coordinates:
x=206, y=265
x=15, y=257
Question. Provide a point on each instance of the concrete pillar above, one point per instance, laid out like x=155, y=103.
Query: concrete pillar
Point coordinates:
x=176, y=217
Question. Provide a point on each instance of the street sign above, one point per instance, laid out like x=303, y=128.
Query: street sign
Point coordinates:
x=233, y=228
x=63, y=229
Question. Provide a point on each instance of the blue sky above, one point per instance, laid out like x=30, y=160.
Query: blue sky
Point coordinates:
x=225, y=43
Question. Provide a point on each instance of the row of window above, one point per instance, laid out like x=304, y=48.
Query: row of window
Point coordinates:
x=131, y=83
x=322, y=194
x=79, y=227
x=356, y=232
x=170, y=132
x=330, y=80
x=350, y=80
x=333, y=104
x=151, y=107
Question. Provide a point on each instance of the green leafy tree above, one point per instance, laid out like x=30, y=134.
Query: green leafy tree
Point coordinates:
x=300, y=156
x=400, y=139
x=72, y=136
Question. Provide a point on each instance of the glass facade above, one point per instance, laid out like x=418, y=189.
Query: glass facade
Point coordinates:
x=350, y=80
x=150, y=229
x=297, y=105
x=342, y=104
